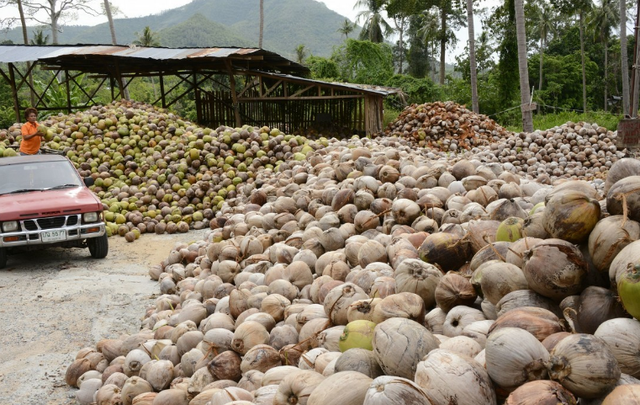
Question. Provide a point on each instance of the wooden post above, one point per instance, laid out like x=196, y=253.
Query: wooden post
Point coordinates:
x=196, y=94
x=112, y=85
x=162, y=93
x=234, y=94
x=14, y=92
x=66, y=86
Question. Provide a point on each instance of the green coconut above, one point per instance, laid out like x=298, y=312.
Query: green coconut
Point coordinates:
x=357, y=334
x=510, y=230
x=629, y=290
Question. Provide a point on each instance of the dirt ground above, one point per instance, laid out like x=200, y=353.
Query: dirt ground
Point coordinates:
x=56, y=301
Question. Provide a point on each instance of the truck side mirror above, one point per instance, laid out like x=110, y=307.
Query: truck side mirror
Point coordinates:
x=88, y=181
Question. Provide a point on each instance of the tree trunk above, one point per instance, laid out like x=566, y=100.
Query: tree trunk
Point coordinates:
x=54, y=23
x=541, y=62
x=624, y=59
x=401, y=43
x=527, y=117
x=443, y=42
x=472, y=59
x=112, y=28
x=25, y=37
x=261, y=24
x=584, y=73
x=606, y=74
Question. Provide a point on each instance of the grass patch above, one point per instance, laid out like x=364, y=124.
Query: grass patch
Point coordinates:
x=390, y=115
x=547, y=121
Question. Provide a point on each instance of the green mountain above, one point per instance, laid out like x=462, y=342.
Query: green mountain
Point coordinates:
x=233, y=23
x=197, y=31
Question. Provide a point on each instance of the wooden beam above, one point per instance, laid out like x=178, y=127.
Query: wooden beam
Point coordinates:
x=14, y=92
x=234, y=95
x=68, y=90
x=244, y=99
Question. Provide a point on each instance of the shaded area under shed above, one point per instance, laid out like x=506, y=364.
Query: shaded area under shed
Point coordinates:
x=230, y=86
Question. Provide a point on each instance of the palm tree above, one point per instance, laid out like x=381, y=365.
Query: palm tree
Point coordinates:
x=601, y=21
x=261, y=24
x=301, y=53
x=375, y=27
x=527, y=118
x=581, y=8
x=347, y=28
x=545, y=23
x=401, y=11
x=39, y=38
x=429, y=31
x=451, y=17
x=148, y=38
x=472, y=59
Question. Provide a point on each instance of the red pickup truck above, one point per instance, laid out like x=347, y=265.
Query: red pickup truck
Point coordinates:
x=44, y=202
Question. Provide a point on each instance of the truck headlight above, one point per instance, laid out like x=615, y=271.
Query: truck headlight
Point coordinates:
x=90, y=217
x=10, y=226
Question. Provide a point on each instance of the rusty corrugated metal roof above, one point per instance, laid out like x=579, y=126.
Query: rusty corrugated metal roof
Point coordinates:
x=92, y=57
x=102, y=59
x=23, y=53
x=366, y=88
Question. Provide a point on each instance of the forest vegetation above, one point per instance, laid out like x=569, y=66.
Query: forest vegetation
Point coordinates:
x=576, y=56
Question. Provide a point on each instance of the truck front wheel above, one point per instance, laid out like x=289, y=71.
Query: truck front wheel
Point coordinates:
x=3, y=257
x=98, y=247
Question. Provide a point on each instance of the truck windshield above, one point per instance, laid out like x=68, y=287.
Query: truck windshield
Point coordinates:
x=37, y=176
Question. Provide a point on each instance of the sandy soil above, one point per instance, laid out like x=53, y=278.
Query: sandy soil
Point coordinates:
x=56, y=301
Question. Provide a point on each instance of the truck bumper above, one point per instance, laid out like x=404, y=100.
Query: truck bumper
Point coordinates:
x=28, y=236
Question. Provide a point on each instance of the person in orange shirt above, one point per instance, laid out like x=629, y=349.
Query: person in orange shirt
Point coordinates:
x=31, y=138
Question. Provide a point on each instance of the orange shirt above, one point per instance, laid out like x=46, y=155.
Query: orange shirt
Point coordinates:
x=30, y=146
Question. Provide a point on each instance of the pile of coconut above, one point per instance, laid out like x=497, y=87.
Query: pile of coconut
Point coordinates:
x=371, y=272
x=446, y=126
x=573, y=150
x=155, y=172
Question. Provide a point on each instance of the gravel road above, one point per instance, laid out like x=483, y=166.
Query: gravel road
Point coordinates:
x=56, y=301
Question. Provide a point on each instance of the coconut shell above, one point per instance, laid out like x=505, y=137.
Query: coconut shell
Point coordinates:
x=416, y=276
x=447, y=250
x=570, y=215
x=360, y=360
x=629, y=257
x=390, y=390
x=453, y=290
x=623, y=394
x=584, y=365
x=621, y=169
x=624, y=196
x=342, y=388
x=609, y=237
x=541, y=392
x=296, y=387
x=595, y=306
x=399, y=344
x=448, y=378
x=555, y=269
x=622, y=335
x=539, y=322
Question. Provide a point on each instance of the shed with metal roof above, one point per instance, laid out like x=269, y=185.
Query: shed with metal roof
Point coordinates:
x=230, y=86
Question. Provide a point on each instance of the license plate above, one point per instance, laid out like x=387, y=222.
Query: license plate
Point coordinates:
x=53, y=236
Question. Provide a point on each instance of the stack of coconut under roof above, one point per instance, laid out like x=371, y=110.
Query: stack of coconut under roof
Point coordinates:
x=156, y=172
x=375, y=272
